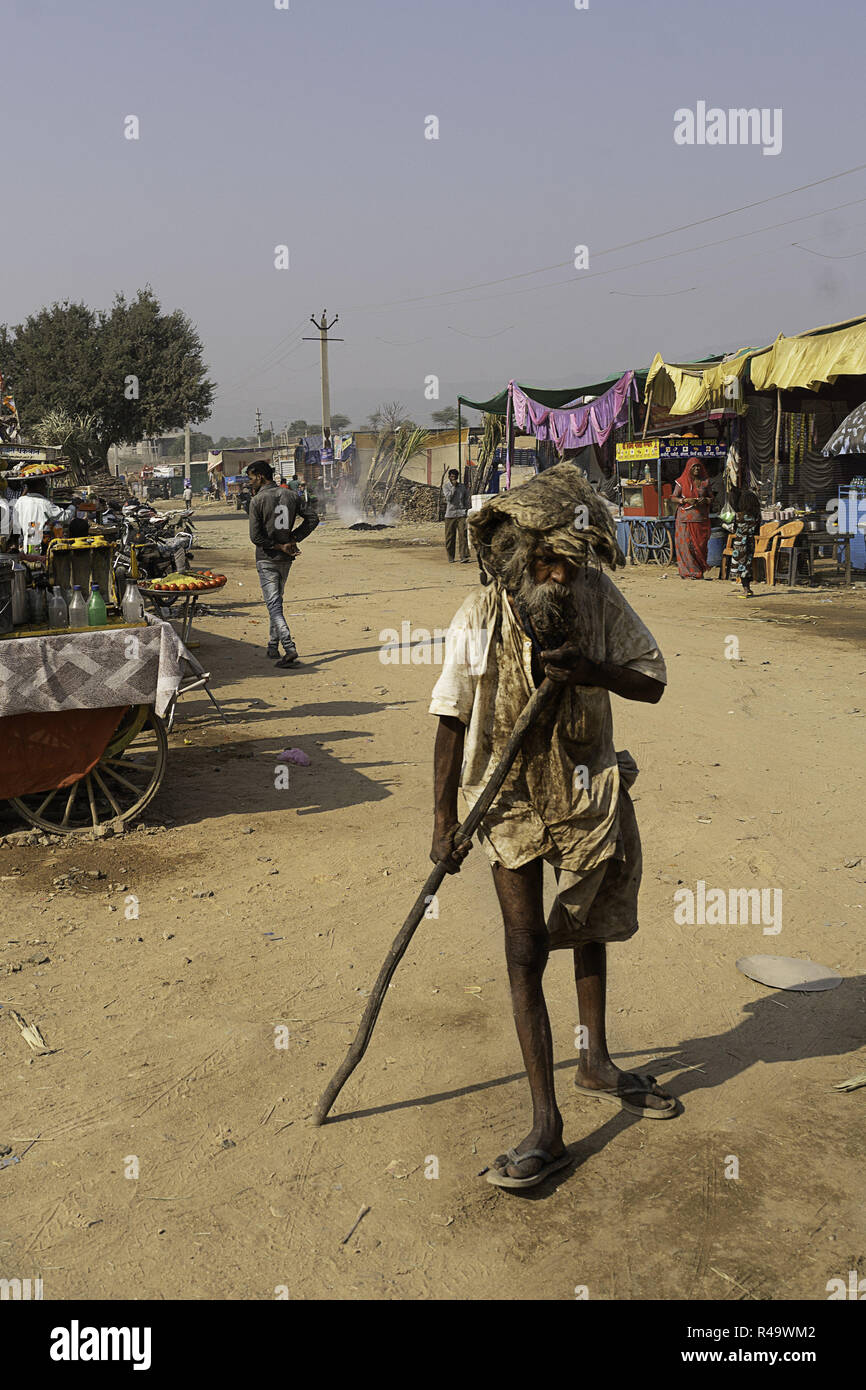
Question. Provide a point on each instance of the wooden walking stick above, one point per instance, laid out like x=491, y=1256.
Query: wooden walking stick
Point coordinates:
x=542, y=697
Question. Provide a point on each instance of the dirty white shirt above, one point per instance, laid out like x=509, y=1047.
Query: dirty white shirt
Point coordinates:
x=31, y=515
x=561, y=797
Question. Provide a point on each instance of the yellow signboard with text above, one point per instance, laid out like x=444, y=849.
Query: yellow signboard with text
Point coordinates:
x=637, y=449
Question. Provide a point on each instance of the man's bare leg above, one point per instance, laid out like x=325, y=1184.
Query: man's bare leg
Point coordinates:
x=526, y=952
x=596, y=1069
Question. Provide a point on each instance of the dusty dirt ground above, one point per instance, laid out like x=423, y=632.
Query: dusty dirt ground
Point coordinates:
x=163, y=1030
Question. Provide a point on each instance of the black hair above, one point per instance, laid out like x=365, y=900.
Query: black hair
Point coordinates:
x=262, y=467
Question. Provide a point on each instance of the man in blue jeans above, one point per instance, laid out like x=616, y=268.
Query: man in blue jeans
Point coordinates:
x=273, y=513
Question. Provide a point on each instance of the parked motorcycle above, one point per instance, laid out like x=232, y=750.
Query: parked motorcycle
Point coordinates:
x=173, y=523
x=157, y=553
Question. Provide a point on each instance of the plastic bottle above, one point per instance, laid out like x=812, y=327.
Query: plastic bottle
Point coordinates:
x=97, y=615
x=58, y=612
x=37, y=602
x=77, y=608
x=133, y=604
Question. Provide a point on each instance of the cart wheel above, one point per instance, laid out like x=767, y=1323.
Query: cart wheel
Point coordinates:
x=639, y=543
x=663, y=551
x=120, y=786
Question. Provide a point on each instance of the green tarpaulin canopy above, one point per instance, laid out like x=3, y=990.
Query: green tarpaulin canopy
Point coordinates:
x=498, y=405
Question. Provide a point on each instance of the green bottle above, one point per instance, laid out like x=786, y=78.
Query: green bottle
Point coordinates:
x=97, y=615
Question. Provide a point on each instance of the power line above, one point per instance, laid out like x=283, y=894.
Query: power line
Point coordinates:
x=262, y=371
x=260, y=366
x=572, y=279
x=653, y=260
x=582, y=277
x=852, y=255
x=609, y=251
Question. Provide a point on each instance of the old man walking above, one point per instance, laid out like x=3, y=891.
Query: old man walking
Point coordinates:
x=547, y=608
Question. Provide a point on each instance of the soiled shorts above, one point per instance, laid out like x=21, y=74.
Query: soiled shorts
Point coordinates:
x=601, y=905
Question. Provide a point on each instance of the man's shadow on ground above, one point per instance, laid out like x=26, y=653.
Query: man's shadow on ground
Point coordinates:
x=782, y=1026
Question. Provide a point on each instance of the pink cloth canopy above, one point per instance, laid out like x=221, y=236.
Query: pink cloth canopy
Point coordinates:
x=575, y=427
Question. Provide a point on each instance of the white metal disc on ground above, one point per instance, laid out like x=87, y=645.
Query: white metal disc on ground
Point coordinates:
x=784, y=972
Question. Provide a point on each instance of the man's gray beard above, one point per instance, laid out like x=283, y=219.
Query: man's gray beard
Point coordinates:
x=550, y=609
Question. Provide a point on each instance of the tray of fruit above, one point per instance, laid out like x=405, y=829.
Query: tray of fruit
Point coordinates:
x=192, y=582
x=36, y=470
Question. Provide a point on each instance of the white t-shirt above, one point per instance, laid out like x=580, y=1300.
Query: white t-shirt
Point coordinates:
x=30, y=516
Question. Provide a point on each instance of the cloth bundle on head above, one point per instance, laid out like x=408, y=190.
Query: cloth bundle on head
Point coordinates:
x=556, y=511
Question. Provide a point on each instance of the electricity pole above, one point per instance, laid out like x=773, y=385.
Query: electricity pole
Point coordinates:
x=258, y=428
x=324, y=327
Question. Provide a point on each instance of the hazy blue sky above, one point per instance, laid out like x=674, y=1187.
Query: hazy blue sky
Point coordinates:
x=261, y=126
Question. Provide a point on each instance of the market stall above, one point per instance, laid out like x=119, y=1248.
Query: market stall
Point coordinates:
x=648, y=513
x=792, y=394
x=82, y=721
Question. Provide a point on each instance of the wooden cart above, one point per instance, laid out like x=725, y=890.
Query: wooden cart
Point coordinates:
x=118, y=787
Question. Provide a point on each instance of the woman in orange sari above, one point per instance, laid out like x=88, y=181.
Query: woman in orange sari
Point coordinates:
x=692, y=532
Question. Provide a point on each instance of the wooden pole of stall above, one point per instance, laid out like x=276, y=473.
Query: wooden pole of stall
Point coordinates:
x=509, y=436
x=648, y=408
x=776, y=446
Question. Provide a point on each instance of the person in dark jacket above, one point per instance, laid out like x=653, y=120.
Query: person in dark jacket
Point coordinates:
x=456, y=496
x=279, y=521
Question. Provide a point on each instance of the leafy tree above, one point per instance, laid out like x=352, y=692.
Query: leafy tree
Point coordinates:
x=298, y=427
x=198, y=444
x=339, y=424
x=132, y=370
x=151, y=371
x=446, y=418
x=51, y=363
x=233, y=442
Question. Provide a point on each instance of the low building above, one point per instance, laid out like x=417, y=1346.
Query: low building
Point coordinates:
x=230, y=463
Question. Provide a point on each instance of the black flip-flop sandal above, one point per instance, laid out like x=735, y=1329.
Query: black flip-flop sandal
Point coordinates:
x=617, y=1096
x=499, y=1178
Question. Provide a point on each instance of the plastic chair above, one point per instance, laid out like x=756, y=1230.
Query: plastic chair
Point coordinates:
x=765, y=551
x=726, y=554
x=787, y=542
x=766, y=545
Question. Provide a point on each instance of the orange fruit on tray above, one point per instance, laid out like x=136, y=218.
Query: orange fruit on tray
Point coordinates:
x=194, y=582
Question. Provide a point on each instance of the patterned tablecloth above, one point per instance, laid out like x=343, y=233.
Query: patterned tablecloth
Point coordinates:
x=93, y=669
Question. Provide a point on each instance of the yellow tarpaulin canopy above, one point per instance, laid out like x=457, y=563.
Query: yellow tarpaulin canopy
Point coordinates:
x=690, y=388
x=812, y=360
x=806, y=361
